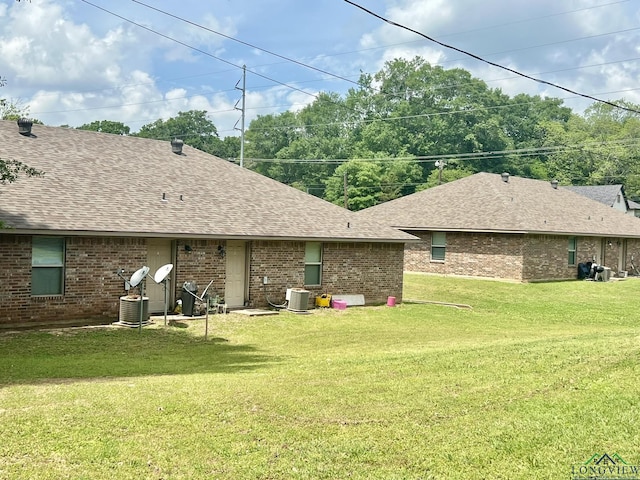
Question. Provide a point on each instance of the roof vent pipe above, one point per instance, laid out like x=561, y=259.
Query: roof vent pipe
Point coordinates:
x=505, y=177
x=554, y=184
x=176, y=146
x=24, y=126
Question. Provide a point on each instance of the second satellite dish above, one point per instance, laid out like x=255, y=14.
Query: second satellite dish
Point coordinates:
x=162, y=273
x=138, y=275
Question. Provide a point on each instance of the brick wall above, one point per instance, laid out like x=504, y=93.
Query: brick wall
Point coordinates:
x=201, y=264
x=512, y=256
x=93, y=289
x=632, y=250
x=469, y=254
x=371, y=269
x=546, y=257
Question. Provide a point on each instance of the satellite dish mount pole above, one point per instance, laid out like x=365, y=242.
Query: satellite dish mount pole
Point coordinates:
x=141, y=305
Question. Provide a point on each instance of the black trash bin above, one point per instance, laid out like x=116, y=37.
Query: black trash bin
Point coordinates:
x=188, y=300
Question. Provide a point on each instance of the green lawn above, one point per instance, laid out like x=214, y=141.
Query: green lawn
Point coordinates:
x=533, y=380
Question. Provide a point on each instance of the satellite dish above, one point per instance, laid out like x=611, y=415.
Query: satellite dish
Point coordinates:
x=138, y=275
x=162, y=273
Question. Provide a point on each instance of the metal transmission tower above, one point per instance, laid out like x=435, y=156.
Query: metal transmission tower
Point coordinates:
x=244, y=91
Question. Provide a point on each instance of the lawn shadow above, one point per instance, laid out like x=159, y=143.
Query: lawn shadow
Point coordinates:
x=89, y=354
x=176, y=324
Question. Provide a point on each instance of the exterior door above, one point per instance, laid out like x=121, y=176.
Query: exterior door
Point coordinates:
x=601, y=257
x=158, y=254
x=236, y=265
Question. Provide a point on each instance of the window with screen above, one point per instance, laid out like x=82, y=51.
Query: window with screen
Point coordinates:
x=438, y=246
x=313, y=263
x=573, y=247
x=47, y=266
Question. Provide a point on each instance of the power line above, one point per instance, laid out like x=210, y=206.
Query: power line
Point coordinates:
x=328, y=73
x=420, y=115
x=390, y=22
x=253, y=46
x=464, y=156
x=559, y=42
x=288, y=59
x=197, y=49
x=350, y=122
x=526, y=20
x=430, y=88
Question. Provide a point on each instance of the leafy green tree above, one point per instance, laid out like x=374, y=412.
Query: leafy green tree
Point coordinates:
x=427, y=110
x=370, y=182
x=10, y=170
x=363, y=184
x=413, y=109
x=14, y=110
x=450, y=173
x=192, y=127
x=597, y=148
x=523, y=119
x=106, y=126
x=317, y=132
x=266, y=136
x=229, y=148
x=399, y=178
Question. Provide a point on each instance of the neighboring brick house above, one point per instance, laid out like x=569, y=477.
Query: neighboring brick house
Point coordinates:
x=506, y=227
x=109, y=202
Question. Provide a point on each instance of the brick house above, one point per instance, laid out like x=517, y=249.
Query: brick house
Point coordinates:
x=109, y=202
x=506, y=227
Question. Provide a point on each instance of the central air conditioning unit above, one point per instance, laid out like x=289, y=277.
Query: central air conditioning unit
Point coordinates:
x=130, y=310
x=298, y=299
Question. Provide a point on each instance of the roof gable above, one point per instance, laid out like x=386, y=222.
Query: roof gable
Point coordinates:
x=606, y=194
x=97, y=183
x=485, y=203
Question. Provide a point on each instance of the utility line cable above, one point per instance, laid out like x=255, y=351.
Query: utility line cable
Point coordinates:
x=419, y=115
x=395, y=24
x=197, y=49
x=206, y=53
x=389, y=95
x=526, y=20
x=464, y=156
x=559, y=42
x=344, y=78
x=244, y=43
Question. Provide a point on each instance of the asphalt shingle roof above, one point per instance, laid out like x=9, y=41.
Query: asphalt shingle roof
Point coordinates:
x=485, y=203
x=96, y=183
x=607, y=194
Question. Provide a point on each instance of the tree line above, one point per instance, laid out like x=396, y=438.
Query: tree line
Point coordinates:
x=412, y=126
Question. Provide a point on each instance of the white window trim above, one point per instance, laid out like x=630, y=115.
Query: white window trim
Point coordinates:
x=62, y=268
x=575, y=251
x=443, y=246
x=319, y=264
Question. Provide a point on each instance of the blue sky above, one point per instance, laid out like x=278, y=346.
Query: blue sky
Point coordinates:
x=71, y=62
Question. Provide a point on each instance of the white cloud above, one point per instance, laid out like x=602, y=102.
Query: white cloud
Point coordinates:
x=546, y=36
x=74, y=64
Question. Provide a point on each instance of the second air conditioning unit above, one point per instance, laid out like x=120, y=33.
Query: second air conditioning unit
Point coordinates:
x=298, y=299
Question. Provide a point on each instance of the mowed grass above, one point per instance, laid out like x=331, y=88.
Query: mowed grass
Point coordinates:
x=531, y=381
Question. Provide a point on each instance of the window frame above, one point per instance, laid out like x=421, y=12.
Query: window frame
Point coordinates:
x=439, y=246
x=572, y=253
x=47, y=265
x=316, y=264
